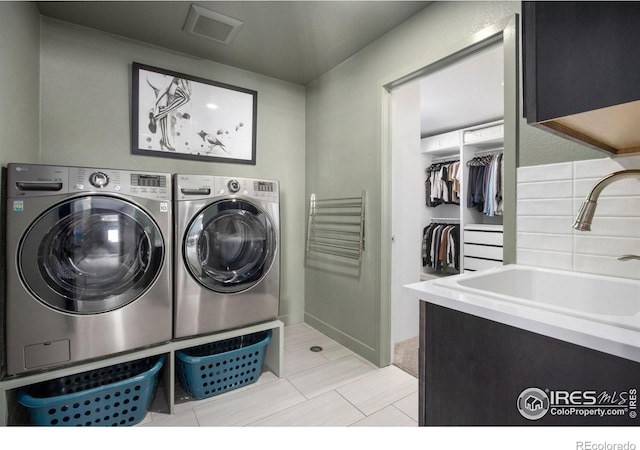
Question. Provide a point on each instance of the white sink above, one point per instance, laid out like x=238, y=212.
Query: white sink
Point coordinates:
x=594, y=311
x=600, y=298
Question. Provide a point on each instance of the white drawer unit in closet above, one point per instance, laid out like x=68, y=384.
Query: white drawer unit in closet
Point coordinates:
x=483, y=246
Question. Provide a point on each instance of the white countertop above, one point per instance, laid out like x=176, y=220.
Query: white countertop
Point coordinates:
x=607, y=338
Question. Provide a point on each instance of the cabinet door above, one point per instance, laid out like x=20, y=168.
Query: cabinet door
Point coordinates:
x=579, y=56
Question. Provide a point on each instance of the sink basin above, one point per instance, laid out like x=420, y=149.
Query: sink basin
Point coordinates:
x=600, y=298
x=593, y=311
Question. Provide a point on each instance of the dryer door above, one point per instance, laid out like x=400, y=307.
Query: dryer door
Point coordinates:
x=230, y=246
x=91, y=254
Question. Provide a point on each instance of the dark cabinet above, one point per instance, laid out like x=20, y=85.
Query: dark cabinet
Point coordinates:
x=473, y=371
x=581, y=66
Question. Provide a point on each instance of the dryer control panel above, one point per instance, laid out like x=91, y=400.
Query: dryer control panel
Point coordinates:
x=265, y=190
x=193, y=187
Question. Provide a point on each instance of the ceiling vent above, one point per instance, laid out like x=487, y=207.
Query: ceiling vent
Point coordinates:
x=211, y=25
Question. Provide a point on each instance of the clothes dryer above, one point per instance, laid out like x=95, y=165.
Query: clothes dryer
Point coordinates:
x=227, y=253
x=89, y=263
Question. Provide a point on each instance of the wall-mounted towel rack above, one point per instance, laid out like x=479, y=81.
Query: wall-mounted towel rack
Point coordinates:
x=336, y=226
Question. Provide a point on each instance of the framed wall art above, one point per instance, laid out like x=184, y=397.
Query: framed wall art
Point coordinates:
x=181, y=116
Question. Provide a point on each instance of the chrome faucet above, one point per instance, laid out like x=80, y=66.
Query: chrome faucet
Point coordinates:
x=588, y=208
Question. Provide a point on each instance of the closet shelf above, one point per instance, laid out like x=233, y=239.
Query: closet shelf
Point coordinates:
x=480, y=243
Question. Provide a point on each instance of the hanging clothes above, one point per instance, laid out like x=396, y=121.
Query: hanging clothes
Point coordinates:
x=441, y=246
x=486, y=184
x=442, y=185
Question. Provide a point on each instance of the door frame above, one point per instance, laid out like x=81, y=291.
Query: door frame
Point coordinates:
x=506, y=31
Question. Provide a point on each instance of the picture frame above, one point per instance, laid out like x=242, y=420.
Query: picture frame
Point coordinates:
x=175, y=115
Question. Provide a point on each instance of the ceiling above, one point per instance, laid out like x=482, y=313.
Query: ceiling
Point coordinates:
x=296, y=41
x=467, y=93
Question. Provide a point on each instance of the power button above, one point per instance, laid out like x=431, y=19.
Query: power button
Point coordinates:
x=99, y=179
x=234, y=186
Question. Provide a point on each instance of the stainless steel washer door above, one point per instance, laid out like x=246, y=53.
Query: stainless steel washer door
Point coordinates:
x=91, y=255
x=230, y=246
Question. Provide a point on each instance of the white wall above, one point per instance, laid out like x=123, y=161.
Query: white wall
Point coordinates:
x=85, y=106
x=549, y=197
x=408, y=210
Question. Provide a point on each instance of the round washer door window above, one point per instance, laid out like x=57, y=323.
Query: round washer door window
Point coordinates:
x=91, y=255
x=230, y=246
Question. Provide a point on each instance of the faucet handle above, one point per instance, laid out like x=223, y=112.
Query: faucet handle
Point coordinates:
x=628, y=257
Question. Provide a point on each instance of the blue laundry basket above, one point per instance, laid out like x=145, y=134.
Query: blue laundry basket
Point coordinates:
x=118, y=395
x=222, y=366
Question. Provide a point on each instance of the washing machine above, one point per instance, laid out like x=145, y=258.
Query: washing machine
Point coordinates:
x=89, y=263
x=227, y=253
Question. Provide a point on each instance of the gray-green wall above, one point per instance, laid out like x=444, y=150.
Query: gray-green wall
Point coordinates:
x=19, y=82
x=323, y=139
x=85, y=83
x=343, y=156
x=19, y=104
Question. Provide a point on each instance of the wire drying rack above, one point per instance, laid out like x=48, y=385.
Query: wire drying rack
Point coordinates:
x=336, y=226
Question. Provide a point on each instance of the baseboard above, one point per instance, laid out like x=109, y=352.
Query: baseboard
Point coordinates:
x=360, y=348
x=292, y=319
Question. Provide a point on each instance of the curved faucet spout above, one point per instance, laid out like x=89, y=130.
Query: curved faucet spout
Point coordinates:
x=588, y=208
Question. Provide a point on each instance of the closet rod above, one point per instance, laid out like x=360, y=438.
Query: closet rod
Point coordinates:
x=445, y=220
x=494, y=151
x=444, y=159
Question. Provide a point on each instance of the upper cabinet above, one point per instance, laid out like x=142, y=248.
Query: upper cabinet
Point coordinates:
x=581, y=71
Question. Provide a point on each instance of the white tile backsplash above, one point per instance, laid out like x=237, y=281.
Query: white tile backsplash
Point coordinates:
x=545, y=207
x=603, y=246
x=549, y=197
x=545, y=224
x=624, y=187
x=596, y=168
x=545, y=190
x=548, y=259
x=612, y=207
x=551, y=242
x=562, y=171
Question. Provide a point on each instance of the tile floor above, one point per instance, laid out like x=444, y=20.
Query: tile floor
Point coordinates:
x=332, y=388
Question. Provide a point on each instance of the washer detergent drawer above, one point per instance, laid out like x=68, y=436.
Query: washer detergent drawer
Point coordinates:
x=47, y=353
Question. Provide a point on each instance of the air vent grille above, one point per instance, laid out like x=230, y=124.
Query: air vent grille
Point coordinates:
x=211, y=25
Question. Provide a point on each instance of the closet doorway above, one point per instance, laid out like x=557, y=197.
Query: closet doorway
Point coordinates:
x=448, y=119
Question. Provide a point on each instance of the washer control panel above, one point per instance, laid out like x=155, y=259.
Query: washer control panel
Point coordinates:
x=35, y=180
